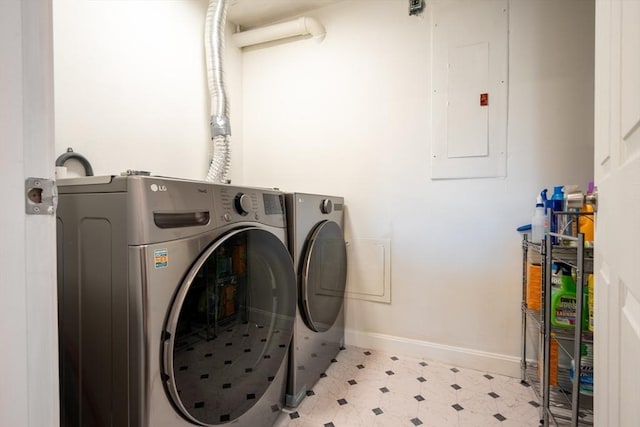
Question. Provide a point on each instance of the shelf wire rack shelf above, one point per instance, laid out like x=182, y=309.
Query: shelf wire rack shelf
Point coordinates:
x=562, y=403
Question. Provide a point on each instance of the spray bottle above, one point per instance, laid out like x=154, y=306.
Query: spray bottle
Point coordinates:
x=545, y=202
x=538, y=222
x=563, y=299
x=556, y=202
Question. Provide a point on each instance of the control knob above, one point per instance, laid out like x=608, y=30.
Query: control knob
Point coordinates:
x=326, y=206
x=243, y=203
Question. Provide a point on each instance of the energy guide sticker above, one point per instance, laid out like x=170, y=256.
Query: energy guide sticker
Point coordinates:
x=161, y=258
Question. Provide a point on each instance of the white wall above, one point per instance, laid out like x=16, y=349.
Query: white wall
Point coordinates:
x=131, y=86
x=351, y=117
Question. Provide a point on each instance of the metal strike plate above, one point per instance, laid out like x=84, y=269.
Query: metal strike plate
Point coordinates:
x=40, y=196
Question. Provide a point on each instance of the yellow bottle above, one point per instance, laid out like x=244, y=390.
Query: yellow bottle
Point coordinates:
x=585, y=224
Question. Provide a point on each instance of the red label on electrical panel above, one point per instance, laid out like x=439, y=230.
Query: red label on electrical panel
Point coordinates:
x=484, y=99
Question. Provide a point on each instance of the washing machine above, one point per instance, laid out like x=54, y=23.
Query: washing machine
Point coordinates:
x=176, y=302
x=318, y=249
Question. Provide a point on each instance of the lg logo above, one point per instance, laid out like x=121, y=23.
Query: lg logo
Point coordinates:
x=155, y=187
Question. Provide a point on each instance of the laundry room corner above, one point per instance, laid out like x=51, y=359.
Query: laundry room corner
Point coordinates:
x=352, y=115
x=131, y=87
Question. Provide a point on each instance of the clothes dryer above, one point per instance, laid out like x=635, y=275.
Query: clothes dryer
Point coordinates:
x=176, y=303
x=318, y=249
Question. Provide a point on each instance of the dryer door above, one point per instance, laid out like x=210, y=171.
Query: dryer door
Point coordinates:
x=229, y=328
x=323, y=276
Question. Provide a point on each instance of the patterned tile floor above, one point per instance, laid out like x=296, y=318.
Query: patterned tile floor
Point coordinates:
x=370, y=388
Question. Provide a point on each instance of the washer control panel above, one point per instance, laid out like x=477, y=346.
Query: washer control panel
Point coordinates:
x=235, y=204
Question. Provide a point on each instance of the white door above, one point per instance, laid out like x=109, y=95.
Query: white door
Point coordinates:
x=28, y=319
x=617, y=175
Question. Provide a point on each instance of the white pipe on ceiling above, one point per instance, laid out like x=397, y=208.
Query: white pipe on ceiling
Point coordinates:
x=298, y=27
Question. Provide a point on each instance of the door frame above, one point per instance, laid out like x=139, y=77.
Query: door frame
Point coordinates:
x=28, y=309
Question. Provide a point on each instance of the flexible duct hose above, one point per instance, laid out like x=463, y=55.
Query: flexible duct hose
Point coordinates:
x=220, y=126
x=70, y=154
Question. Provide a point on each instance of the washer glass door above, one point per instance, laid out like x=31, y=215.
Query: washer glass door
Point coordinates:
x=323, y=276
x=230, y=326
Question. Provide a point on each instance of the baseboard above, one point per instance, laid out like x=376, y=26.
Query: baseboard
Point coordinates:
x=456, y=356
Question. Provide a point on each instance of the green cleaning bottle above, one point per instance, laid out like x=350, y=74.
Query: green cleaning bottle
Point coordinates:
x=563, y=300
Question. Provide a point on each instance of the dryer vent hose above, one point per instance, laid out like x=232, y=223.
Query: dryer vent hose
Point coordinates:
x=219, y=167
x=62, y=159
x=220, y=126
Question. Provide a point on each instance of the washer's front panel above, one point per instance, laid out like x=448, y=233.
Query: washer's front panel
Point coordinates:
x=230, y=327
x=323, y=276
x=118, y=284
x=319, y=251
x=92, y=310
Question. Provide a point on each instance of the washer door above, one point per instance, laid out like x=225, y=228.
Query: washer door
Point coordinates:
x=230, y=327
x=323, y=276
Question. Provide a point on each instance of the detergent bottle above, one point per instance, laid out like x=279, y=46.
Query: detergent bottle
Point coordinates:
x=585, y=374
x=563, y=299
